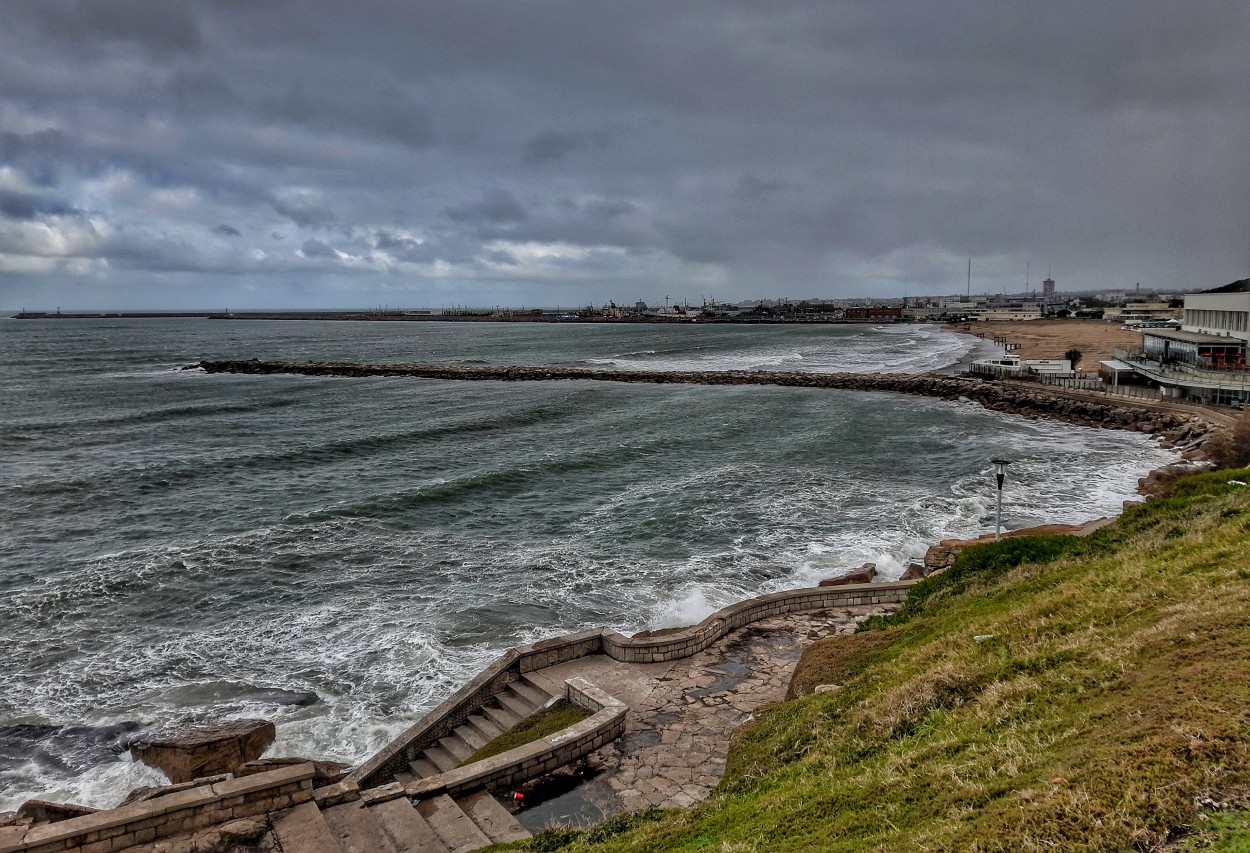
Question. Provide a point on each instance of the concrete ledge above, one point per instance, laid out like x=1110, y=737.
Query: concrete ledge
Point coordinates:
x=453, y=711
x=205, y=805
x=528, y=761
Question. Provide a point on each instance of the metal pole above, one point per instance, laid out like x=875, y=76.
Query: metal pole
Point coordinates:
x=1000, y=474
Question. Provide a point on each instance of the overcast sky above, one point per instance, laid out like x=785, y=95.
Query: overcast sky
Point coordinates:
x=411, y=153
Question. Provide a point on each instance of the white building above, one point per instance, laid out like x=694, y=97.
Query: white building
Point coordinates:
x=1206, y=358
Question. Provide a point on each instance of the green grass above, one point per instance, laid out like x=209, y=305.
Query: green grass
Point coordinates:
x=1112, y=695
x=559, y=716
x=1218, y=833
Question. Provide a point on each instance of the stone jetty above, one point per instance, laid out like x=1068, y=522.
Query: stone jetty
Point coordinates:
x=1027, y=402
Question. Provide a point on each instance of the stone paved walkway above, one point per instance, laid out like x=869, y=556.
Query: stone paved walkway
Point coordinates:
x=682, y=713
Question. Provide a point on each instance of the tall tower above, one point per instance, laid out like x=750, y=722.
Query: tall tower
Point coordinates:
x=1048, y=288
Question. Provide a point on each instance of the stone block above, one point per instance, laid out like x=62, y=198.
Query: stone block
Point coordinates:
x=200, y=752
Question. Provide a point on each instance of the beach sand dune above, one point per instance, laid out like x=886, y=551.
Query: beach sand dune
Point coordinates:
x=1096, y=339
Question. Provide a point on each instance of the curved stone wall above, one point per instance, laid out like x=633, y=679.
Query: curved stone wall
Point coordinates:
x=453, y=711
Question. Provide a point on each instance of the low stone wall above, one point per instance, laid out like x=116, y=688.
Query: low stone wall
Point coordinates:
x=453, y=712
x=528, y=761
x=162, y=817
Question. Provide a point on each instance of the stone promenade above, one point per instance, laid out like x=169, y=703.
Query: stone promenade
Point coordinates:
x=682, y=713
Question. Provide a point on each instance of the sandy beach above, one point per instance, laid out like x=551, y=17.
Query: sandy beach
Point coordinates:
x=1095, y=339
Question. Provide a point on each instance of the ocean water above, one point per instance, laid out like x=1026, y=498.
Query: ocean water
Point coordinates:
x=338, y=555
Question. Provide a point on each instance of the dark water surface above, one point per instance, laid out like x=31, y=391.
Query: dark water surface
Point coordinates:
x=338, y=554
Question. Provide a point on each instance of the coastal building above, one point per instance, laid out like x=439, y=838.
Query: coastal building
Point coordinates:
x=1205, y=359
x=873, y=312
x=1017, y=311
x=1012, y=365
x=1138, y=312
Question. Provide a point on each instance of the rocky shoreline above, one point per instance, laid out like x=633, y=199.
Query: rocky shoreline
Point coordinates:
x=1175, y=428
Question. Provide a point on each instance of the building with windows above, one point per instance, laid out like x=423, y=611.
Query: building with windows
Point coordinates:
x=1205, y=359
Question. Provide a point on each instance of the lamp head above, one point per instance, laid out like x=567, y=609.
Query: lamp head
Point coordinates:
x=1000, y=471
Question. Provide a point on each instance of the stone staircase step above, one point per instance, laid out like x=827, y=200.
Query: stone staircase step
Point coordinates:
x=405, y=827
x=302, y=829
x=454, y=744
x=356, y=830
x=492, y=818
x=517, y=704
x=530, y=692
x=485, y=727
x=403, y=777
x=441, y=758
x=501, y=717
x=472, y=737
x=422, y=769
x=457, y=830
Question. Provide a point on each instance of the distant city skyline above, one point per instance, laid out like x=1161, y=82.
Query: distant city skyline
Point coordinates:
x=276, y=155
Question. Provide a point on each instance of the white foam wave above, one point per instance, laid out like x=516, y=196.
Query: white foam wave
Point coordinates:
x=689, y=606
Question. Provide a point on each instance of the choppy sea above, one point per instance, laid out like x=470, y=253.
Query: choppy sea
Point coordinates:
x=338, y=555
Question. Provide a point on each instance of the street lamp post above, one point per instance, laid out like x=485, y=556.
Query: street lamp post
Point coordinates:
x=1000, y=473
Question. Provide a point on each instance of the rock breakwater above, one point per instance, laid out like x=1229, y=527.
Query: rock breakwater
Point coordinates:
x=1174, y=426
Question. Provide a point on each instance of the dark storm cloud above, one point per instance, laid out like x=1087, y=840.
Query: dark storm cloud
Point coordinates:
x=552, y=145
x=161, y=29
x=314, y=248
x=494, y=207
x=798, y=147
x=23, y=205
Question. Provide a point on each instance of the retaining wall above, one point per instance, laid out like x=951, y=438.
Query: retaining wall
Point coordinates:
x=528, y=761
x=453, y=712
x=162, y=817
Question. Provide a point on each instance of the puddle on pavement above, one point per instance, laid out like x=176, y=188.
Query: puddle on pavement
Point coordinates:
x=639, y=740
x=571, y=798
x=729, y=673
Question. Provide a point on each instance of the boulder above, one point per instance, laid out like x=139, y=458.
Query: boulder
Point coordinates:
x=914, y=572
x=206, y=751
x=864, y=574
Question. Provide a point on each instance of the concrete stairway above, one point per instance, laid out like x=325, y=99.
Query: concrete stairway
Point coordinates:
x=517, y=701
x=436, y=825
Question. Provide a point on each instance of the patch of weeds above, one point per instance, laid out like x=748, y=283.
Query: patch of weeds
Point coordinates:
x=1221, y=832
x=550, y=840
x=979, y=564
x=559, y=716
x=1209, y=483
x=836, y=660
x=615, y=826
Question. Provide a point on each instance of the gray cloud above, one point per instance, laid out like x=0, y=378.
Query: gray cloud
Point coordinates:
x=314, y=248
x=494, y=207
x=552, y=146
x=161, y=29
x=15, y=204
x=490, y=150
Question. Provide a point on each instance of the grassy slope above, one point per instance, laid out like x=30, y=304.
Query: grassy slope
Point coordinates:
x=1114, y=692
